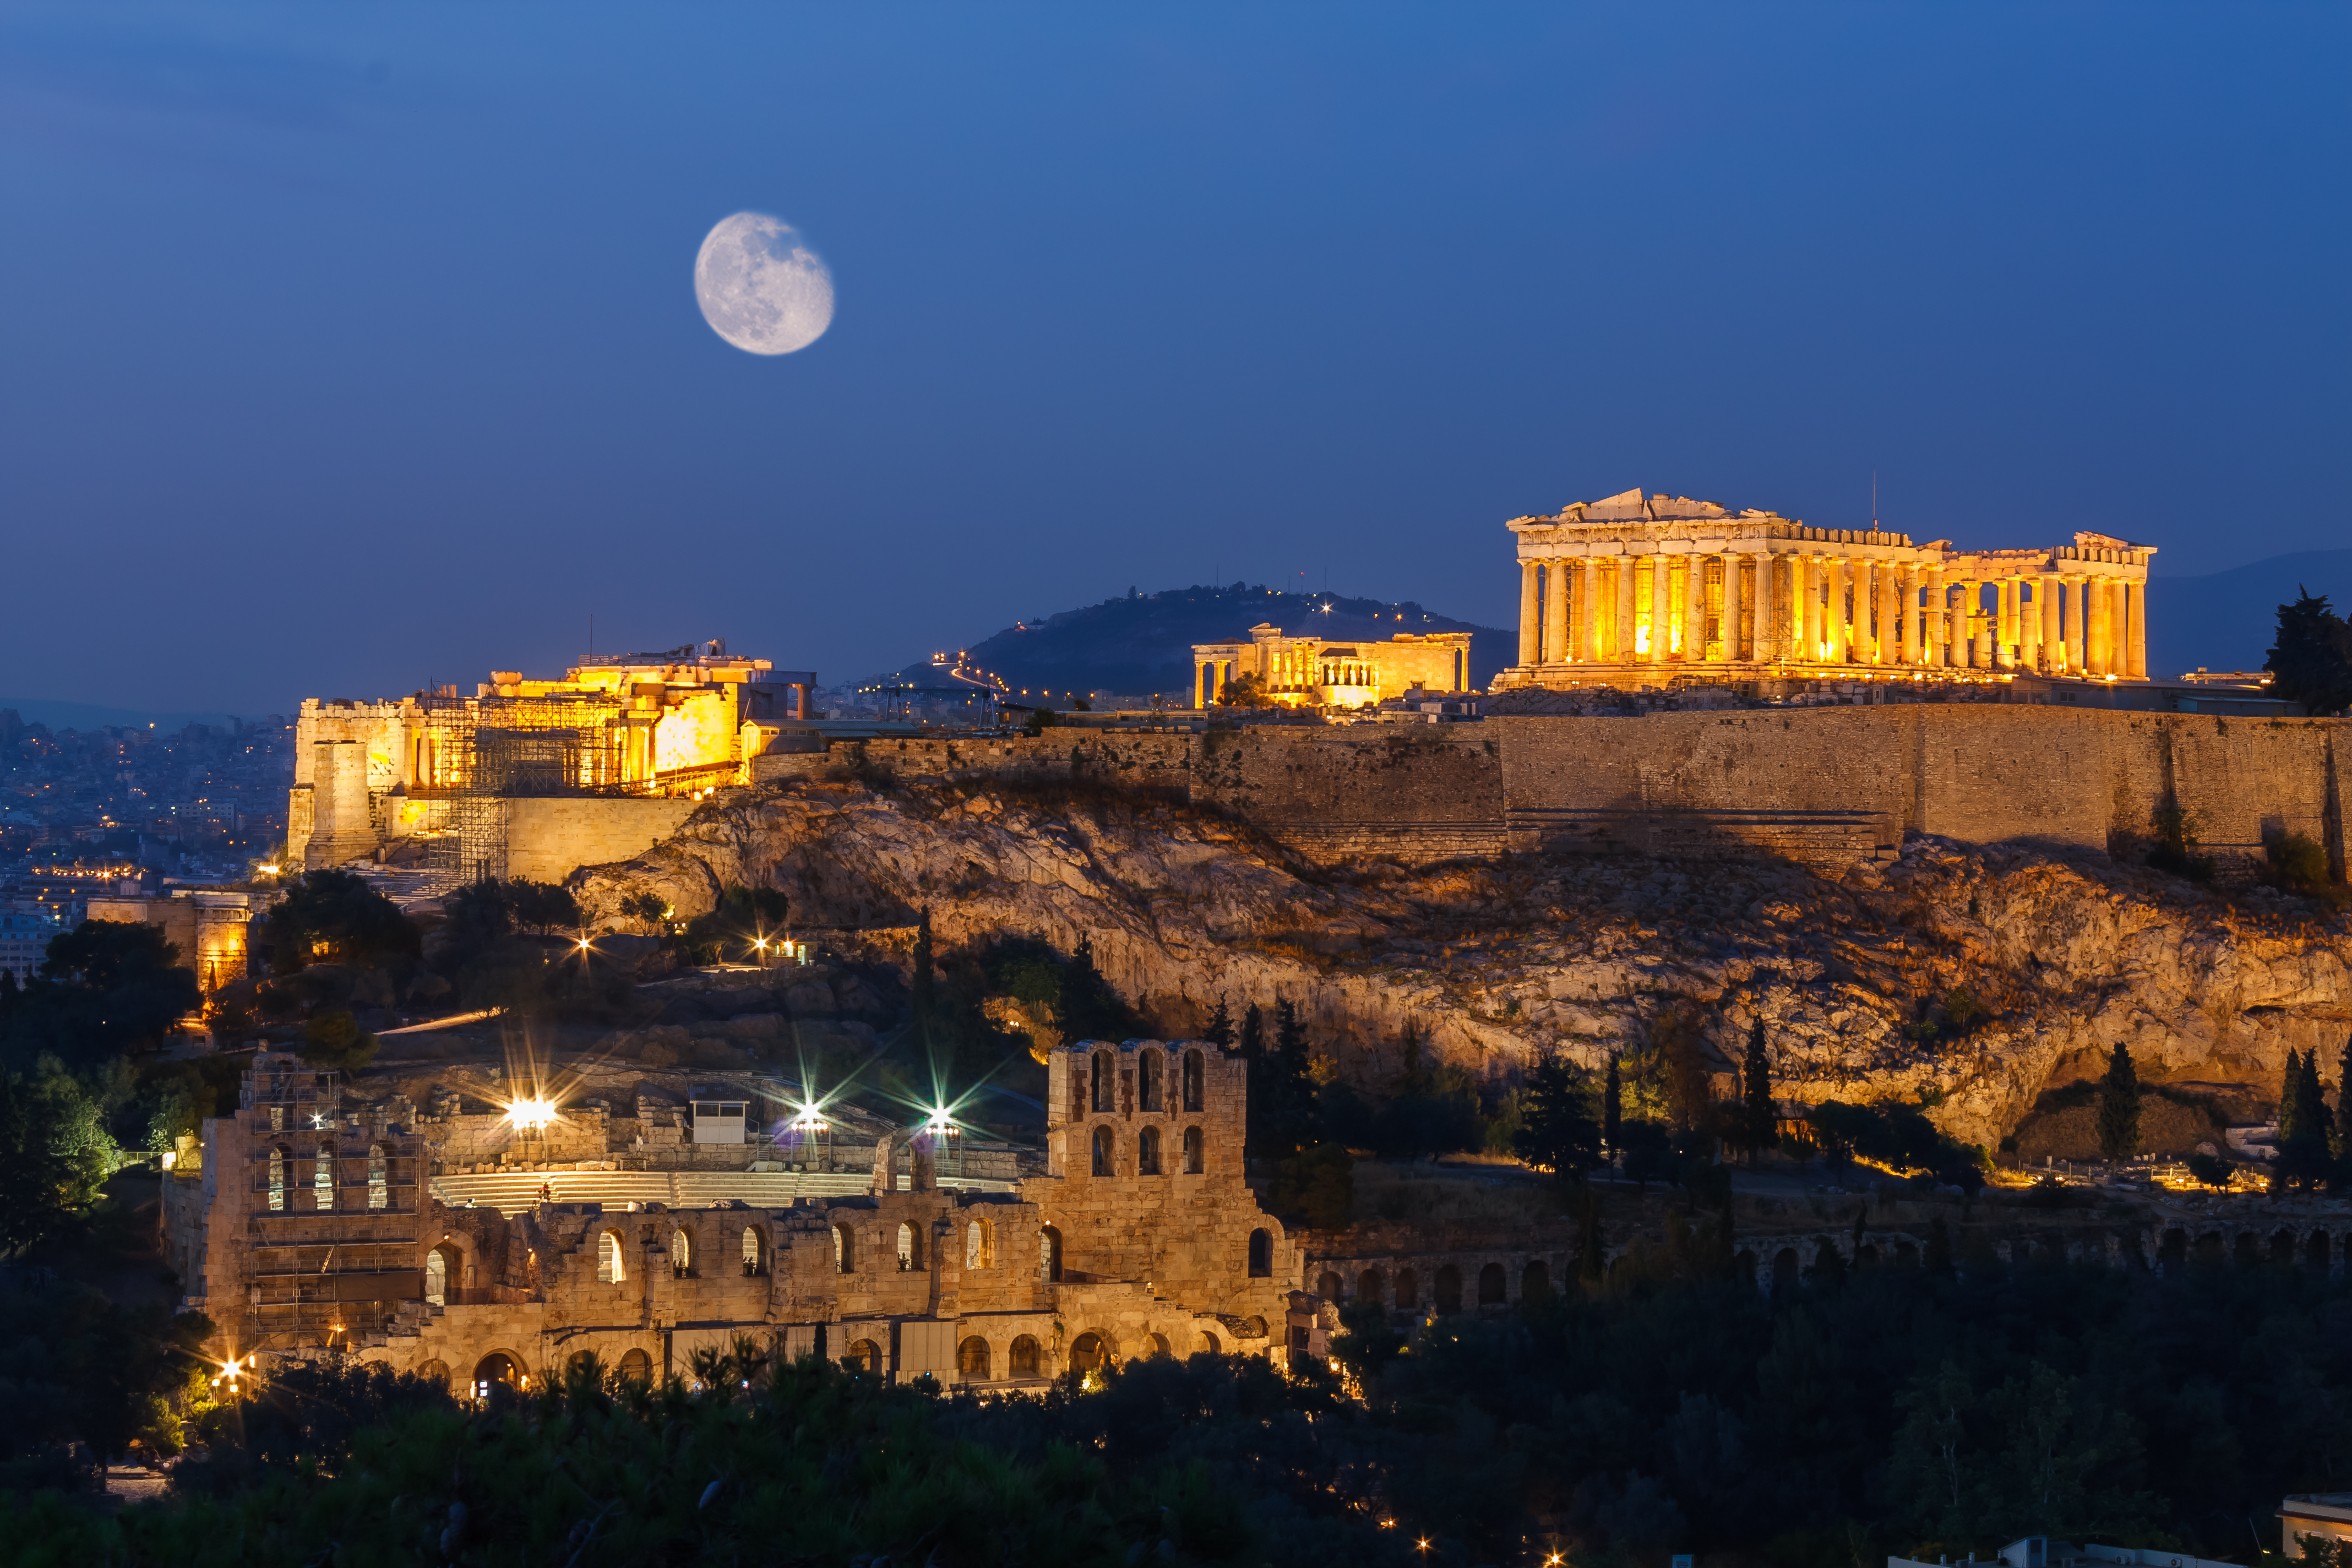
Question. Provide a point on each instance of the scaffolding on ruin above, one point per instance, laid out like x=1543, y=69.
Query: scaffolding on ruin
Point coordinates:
x=475, y=753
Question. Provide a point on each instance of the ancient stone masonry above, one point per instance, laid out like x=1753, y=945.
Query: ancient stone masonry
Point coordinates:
x=1637, y=590
x=1141, y=1239
x=1318, y=672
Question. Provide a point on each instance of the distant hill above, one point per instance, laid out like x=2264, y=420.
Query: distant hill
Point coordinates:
x=2226, y=621
x=88, y=717
x=1143, y=643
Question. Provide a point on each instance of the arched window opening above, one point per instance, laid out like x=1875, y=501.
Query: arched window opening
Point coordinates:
x=1089, y=1354
x=1490, y=1285
x=845, y=1251
x=322, y=1179
x=755, y=1252
x=1196, y=1151
x=910, y=1254
x=1408, y=1290
x=583, y=1365
x=1535, y=1282
x=1147, y=1152
x=863, y=1355
x=1049, y=1253
x=636, y=1366
x=681, y=1252
x=433, y=1372
x=1252, y=1328
x=1368, y=1285
x=1449, y=1288
x=279, y=1158
x=1326, y=1285
x=609, y=1269
x=1161, y=1347
x=436, y=1278
x=1106, y=1077
x=1208, y=1345
x=1102, y=1153
x=379, y=1181
x=980, y=1244
x=492, y=1371
x=1147, y=1080
x=1195, y=1071
x=972, y=1360
x=1261, y=1255
x=1027, y=1357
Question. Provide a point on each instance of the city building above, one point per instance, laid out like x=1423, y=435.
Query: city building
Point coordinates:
x=2315, y=1516
x=25, y=941
x=1317, y=672
x=1637, y=590
x=207, y=927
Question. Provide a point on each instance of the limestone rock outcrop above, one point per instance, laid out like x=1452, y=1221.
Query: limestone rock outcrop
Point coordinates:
x=1498, y=961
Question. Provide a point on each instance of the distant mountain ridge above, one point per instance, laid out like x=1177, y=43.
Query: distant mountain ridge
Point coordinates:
x=2227, y=620
x=90, y=717
x=1142, y=643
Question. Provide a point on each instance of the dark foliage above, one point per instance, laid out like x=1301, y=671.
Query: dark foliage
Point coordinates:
x=2311, y=658
x=107, y=987
x=1285, y=1112
x=727, y=933
x=2119, y=1108
x=334, y=916
x=1760, y=1121
x=1558, y=1131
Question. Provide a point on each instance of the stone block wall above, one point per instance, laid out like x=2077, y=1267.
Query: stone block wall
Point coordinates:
x=547, y=839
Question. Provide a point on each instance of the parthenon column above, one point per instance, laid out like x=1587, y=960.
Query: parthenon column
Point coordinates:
x=2004, y=624
x=2045, y=599
x=1907, y=580
x=1625, y=653
x=1739, y=609
x=1931, y=626
x=2078, y=624
x=1588, y=623
x=1805, y=574
x=2094, y=623
x=1840, y=627
x=1886, y=642
x=1556, y=602
x=1662, y=605
x=1531, y=614
x=1694, y=610
x=2136, y=637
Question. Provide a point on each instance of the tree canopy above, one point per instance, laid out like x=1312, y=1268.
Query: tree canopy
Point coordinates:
x=2311, y=659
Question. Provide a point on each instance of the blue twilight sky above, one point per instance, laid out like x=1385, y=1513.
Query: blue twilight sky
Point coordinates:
x=344, y=347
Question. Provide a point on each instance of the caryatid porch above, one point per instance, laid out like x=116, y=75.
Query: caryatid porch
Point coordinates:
x=1646, y=590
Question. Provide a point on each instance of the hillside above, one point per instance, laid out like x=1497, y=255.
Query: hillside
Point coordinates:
x=1972, y=979
x=1143, y=643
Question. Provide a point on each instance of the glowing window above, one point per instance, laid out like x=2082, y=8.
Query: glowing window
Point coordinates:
x=608, y=1259
x=436, y=1278
x=845, y=1251
x=681, y=1252
x=1195, y=1151
x=755, y=1255
x=379, y=1185
x=909, y=1255
x=322, y=1179
x=978, y=1245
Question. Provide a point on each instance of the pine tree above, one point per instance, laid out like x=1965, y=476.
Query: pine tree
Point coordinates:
x=1557, y=1132
x=1763, y=1117
x=1612, y=1109
x=1220, y=1032
x=2303, y=1159
x=2290, y=1114
x=1252, y=1043
x=2119, y=1108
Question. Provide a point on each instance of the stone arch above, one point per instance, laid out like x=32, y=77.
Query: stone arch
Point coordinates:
x=379, y=1178
x=1147, y=1152
x=1252, y=1328
x=980, y=1244
x=1105, y=1153
x=2173, y=1250
x=1449, y=1288
x=1261, y=1254
x=845, y=1248
x=1535, y=1281
x=1784, y=1270
x=1090, y=1351
x=433, y=1372
x=1160, y=1345
x=1408, y=1290
x=1491, y=1290
x=1326, y=1285
x=862, y=1355
x=2211, y=1253
x=1150, y=1071
x=1196, y=1151
x=910, y=1249
x=496, y=1369
x=1027, y=1357
x=1371, y=1287
x=1196, y=1071
x=582, y=1364
x=1049, y=1252
x=1208, y=1345
x=1103, y=1068
x=755, y=1252
x=444, y=1273
x=636, y=1366
x=972, y=1359
x=682, y=1252
x=611, y=1265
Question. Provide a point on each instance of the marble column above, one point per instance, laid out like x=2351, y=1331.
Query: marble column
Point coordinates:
x=1662, y=589
x=1907, y=580
x=1531, y=614
x=2004, y=624
x=2135, y=634
x=1841, y=629
x=2094, y=623
x=1695, y=611
x=2078, y=624
x=1588, y=623
x=2045, y=599
x=1625, y=627
x=1555, y=643
x=1935, y=641
x=1739, y=608
x=1885, y=641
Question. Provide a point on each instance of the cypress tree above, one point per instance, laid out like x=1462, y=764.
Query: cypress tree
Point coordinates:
x=2119, y=1108
x=2290, y=1116
x=2344, y=1100
x=1763, y=1118
x=2319, y=1125
x=1612, y=1108
x=1252, y=1043
x=1221, y=1026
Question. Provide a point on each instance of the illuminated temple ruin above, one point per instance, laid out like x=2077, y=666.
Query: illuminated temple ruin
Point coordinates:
x=1638, y=590
x=1324, y=672
x=441, y=778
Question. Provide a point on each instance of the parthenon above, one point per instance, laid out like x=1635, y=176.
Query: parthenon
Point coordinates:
x=1647, y=590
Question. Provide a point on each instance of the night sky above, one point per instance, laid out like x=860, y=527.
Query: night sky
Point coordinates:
x=346, y=347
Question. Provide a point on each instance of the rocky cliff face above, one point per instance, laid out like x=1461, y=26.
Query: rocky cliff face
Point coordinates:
x=1498, y=962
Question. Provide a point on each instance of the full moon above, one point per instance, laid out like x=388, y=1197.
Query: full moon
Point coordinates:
x=761, y=287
